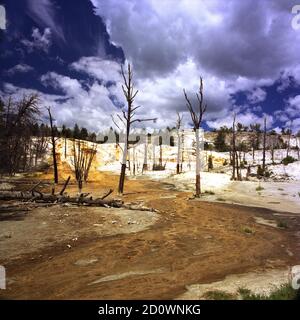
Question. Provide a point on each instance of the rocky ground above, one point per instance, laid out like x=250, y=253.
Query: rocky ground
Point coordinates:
x=100, y=253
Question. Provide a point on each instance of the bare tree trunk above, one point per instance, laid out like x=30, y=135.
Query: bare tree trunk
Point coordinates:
x=272, y=149
x=264, y=146
x=129, y=97
x=145, y=163
x=53, y=142
x=160, y=161
x=128, y=116
x=153, y=154
x=178, y=153
x=197, y=118
x=198, y=165
x=182, y=152
x=123, y=167
x=178, y=126
x=133, y=160
x=234, y=160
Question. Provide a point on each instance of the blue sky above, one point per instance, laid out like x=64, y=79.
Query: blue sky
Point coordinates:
x=70, y=52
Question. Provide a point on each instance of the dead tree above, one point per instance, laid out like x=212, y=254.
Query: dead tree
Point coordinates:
x=178, y=128
x=145, y=163
x=53, y=143
x=153, y=138
x=197, y=117
x=233, y=152
x=133, y=160
x=39, y=148
x=82, y=160
x=289, y=139
x=255, y=128
x=17, y=119
x=160, y=159
x=272, y=141
x=81, y=199
x=264, y=146
x=128, y=119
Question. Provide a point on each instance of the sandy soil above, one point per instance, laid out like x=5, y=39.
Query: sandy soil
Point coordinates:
x=118, y=254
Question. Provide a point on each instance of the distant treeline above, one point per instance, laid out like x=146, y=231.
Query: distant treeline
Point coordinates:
x=24, y=139
x=41, y=129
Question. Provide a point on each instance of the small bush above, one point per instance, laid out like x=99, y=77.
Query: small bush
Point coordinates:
x=259, y=188
x=210, y=163
x=219, y=295
x=209, y=192
x=248, y=230
x=158, y=167
x=288, y=160
x=285, y=292
x=282, y=224
x=260, y=171
x=268, y=173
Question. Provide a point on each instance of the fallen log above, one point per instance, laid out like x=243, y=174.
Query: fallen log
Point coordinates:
x=65, y=186
x=51, y=198
x=107, y=194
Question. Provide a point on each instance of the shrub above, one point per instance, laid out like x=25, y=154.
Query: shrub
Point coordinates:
x=259, y=188
x=158, y=167
x=209, y=192
x=285, y=292
x=210, y=163
x=282, y=224
x=248, y=230
x=288, y=160
x=260, y=171
x=219, y=295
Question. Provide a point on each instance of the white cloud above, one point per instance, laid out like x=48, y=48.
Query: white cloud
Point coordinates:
x=19, y=68
x=256, y=95
x=88, y=105
x=246, y=118
x=106, y=70
x=41, y=41
x=234, y=45
x=294, y=105
x=43, y=12
x=290, y=114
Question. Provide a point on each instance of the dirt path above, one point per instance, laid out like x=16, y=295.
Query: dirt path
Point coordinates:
x=190, y=242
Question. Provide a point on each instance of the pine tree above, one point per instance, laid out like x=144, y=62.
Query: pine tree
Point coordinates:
x=219, y=142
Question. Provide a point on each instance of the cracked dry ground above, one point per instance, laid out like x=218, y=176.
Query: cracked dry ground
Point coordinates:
x=191, y=242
